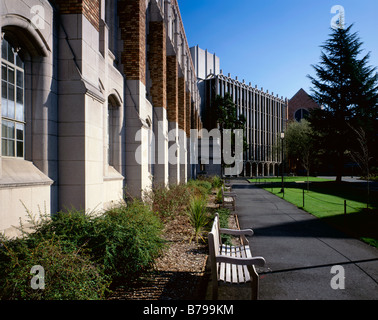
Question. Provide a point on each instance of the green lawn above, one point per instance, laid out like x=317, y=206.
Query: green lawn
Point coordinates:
x=288, y=179
x=319, y=203
x=325, y=200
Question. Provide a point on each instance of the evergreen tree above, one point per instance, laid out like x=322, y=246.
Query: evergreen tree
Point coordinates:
x=347, y=88
x=299, y=144
x=229, y=118
x=227, y=114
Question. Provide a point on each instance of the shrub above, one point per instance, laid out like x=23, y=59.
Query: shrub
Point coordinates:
x=224, y=215
x=74, y=227
x=200, y=187
x=125, y=239
x=205, y=184
x=69, y=275
x=133, y=240
x=219, y=197
x=169, y=202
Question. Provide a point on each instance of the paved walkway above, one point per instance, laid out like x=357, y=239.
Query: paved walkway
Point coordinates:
x=301, y=250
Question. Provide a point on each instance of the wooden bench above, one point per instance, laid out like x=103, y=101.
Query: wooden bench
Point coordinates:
x=233, y=264
x=228, y=198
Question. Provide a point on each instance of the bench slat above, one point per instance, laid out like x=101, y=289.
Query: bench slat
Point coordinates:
x=234, y=269
x=245, y=254
x=231, y=273
x=240, y=268
x=222, y=268
x=228, y=266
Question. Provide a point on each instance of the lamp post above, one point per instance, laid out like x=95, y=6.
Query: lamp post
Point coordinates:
x=282, y=162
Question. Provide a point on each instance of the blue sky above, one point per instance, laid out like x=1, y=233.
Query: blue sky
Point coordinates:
x=273, y=43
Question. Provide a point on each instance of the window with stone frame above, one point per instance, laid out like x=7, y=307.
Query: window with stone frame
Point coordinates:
x=111, y=19
x=12, y=102
x=111, y=132
x=113, y=129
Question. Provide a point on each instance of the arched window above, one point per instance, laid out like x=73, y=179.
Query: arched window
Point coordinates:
x=12, y=102
x=301, y=114
x=113, y=134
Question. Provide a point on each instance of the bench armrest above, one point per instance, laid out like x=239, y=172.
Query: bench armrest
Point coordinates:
x=237, y=233
x=257, y=261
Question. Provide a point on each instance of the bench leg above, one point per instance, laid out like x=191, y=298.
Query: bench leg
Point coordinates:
x=215, y=289
x=254, y=283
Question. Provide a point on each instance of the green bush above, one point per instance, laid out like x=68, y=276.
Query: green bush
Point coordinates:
x=200, y=187
x=224, y=215
x=219, y=196
x=133, y=240
x=172, y=201
x=69, y=275
x=168, y=202
x=75, y=228
x=72, y=245
x=125, y=239
x=205, y=184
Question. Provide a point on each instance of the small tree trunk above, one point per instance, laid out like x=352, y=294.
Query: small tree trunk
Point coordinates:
x=368, y=190
x=339, y=168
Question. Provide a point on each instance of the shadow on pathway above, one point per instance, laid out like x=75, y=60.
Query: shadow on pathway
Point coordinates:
x=301, y=250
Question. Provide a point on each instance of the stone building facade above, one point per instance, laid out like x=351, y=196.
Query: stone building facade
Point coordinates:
x=94, y=94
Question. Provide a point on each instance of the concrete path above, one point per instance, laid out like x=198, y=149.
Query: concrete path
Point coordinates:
x=301, y=250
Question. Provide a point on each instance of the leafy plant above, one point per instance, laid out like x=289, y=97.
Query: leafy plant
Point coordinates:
x=69, y=274
x=132, y=240
x=224, y=215
x=299, y=143
x=226, y=115
x=168, y=202
x=198, y=216
x=200, y=187
x=217, y=182
x=219, y=197
x=124, y=240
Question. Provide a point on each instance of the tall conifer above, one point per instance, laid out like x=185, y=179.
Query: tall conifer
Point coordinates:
x=347, y=88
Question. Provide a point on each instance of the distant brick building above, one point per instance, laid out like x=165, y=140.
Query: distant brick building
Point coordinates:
x=300, y=105
x=86, y=86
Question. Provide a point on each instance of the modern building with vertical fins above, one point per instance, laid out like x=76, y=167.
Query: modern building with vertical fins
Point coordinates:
x=94, y=95
x=266, y=114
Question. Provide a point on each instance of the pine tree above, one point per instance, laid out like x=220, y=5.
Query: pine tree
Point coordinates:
x=347, y=88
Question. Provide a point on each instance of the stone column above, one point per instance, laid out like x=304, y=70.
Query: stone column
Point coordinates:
x=172, y=110
x=138, y=112
x=188, y=115
x=182, y=127
x=158, y=74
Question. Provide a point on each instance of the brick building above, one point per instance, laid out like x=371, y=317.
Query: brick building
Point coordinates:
x=90, y=91
x=300, y=105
